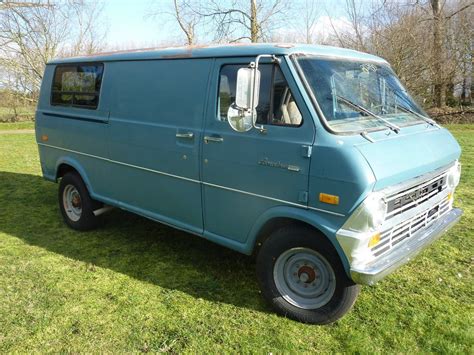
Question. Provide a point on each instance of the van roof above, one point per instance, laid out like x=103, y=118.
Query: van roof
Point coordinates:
x=216, y=51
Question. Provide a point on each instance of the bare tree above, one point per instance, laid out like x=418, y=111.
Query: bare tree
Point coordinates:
x=308, y=13
x=311, y=16
x=396, y=34
x=238, y=20
x=32, y=35
x=7, y=4
x=186, y=13
x=187, y=23
x=354, y=36
x=89, y=35
x=440, y=19
x=438, y=51
x=463, y=34
x=430, y=66
x=300, y=25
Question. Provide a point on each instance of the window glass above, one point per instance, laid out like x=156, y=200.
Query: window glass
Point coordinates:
x=285, y=111
x=276, y=104
x=77, y=85
x=355, y=95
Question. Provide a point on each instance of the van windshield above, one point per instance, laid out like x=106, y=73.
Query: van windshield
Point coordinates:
x=357, y=96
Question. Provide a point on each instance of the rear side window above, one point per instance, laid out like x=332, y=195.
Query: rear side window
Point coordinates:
x=77, y=85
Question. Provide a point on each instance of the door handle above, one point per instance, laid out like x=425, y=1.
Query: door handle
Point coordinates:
x=188, y=135
x=208, y=139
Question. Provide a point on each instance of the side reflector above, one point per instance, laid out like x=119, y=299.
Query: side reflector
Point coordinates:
x=450, y=196
x=44, y=138
x=331, y=199
x=374, y=240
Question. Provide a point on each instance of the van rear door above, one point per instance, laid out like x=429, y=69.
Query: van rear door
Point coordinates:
x=245, y=174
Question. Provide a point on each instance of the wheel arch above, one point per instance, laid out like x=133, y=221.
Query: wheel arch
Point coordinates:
x=280, y=216
x=67, y=164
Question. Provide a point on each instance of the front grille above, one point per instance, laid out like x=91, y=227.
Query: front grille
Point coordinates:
x=406, y=229
x=409, y=198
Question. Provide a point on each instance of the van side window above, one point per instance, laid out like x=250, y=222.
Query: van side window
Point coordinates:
x=77, y=85
x=276, y=105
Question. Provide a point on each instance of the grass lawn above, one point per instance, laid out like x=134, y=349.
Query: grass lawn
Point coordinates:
x=16, y=125
x=136, y=285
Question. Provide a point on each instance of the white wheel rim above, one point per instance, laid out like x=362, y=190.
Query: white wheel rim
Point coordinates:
x=304, y=278
x=72, y=203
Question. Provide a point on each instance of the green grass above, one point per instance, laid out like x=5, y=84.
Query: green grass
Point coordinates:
x=135, y=285
x=16, y=125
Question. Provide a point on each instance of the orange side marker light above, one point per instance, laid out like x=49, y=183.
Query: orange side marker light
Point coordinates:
x=327, y=198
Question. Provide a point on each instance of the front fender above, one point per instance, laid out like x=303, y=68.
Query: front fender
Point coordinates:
x=327, y=224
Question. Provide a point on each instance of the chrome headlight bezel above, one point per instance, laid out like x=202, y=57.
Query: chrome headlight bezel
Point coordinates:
x=370, y=214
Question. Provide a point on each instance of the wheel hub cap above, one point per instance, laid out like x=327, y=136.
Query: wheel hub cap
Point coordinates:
x=76, y=200
x=72, y=203
x=306, y=274
x=304, y=278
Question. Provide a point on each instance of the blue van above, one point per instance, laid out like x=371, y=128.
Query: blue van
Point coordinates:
x=315, y=159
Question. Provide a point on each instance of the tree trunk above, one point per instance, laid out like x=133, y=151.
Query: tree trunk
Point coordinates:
x=187, y=28
x=254, y=28
x=190, y=36
x=438, y=55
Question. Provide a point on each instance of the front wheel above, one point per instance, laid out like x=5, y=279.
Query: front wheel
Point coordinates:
x=302, y=277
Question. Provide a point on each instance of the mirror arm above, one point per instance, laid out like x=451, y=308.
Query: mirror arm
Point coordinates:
x=254, y=67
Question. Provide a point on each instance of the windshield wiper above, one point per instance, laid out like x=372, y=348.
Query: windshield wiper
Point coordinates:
x=409, y=110
x=426, y=119
x=362, y=109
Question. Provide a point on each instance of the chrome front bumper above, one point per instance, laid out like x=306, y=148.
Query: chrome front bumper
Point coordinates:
x=369, y=274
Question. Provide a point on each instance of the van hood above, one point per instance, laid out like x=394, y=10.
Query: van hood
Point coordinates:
x=397, y=158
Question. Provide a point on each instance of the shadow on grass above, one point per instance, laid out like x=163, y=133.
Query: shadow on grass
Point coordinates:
x=128, y=244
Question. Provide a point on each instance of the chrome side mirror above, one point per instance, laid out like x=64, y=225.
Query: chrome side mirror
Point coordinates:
x=242, y=115
x=240, y=120
x=247, y=88
x=239, y=115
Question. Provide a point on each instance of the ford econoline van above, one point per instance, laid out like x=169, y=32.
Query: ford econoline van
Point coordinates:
x=313, y=158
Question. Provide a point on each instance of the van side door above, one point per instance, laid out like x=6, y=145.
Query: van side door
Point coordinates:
x=155, y=130
x=245, y=174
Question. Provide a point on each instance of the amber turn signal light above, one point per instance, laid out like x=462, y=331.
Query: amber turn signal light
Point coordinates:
x=374, y=240
x=331, y=199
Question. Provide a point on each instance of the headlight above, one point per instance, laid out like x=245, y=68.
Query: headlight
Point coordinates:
x=369, y=215
x=454, y=175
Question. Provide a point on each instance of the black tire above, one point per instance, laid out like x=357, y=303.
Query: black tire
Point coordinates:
x=342, y=296
x=85, y=220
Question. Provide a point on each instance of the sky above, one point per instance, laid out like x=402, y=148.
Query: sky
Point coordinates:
x=128, y=26
x=126, y=22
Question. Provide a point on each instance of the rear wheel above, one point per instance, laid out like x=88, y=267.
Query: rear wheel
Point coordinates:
x=302, y=277
x=75, y=203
